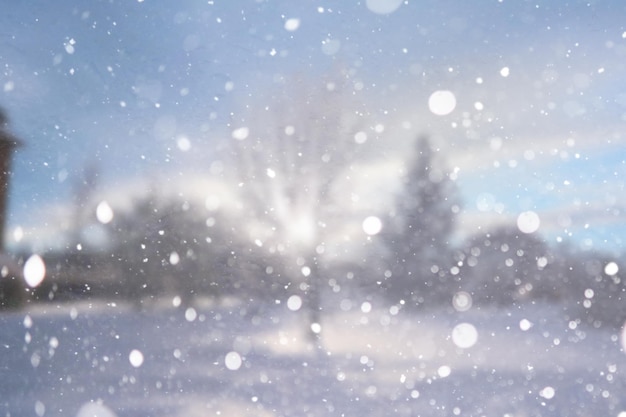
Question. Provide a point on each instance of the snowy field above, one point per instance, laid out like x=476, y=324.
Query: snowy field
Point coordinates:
x=110, y=361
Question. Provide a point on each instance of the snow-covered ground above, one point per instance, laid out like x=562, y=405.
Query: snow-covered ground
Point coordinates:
x=87, y=360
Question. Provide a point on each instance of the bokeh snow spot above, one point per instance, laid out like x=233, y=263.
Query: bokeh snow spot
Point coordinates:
x=442, y=102
x=241, y=133
x=40, y=408
x=292, y=24
x=135, y=358
x=233, y=361
x=34, y=270
x=95, y=410
x=18, y=234
x=547, y=393
x=372, y=225
x=464, y=335
x=360, y=137
x=191, y=314
x=294, y=303
x=383, y=6
x=316, y=328
x=69, y=46
x=104, y=212
x=525, y=324
x=528, y=222
x=183, y=143
x=462, y=301
x=611, y=269
x=444, y=371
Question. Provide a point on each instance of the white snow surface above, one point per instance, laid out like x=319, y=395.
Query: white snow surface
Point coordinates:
x=73, y=360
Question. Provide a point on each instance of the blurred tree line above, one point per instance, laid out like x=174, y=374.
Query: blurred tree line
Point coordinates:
x=422, y=268
x=169, y=246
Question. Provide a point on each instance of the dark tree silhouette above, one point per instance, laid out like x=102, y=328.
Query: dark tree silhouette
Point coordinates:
x=506, y=266
x=168, y=246
x=417, y=234
x=590, y=286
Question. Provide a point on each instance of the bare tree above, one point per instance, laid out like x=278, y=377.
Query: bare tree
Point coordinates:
x=84, y=191
x=289, y=157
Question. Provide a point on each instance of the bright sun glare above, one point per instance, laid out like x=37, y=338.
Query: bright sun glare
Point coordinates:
x=302, y=229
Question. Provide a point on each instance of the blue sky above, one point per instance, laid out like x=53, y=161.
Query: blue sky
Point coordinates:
x=119, y=83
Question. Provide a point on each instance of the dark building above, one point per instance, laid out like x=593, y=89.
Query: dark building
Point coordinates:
x=8, y=143
x=11, y=286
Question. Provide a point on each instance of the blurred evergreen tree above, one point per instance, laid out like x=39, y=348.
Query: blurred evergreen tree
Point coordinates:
x=417, y=235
